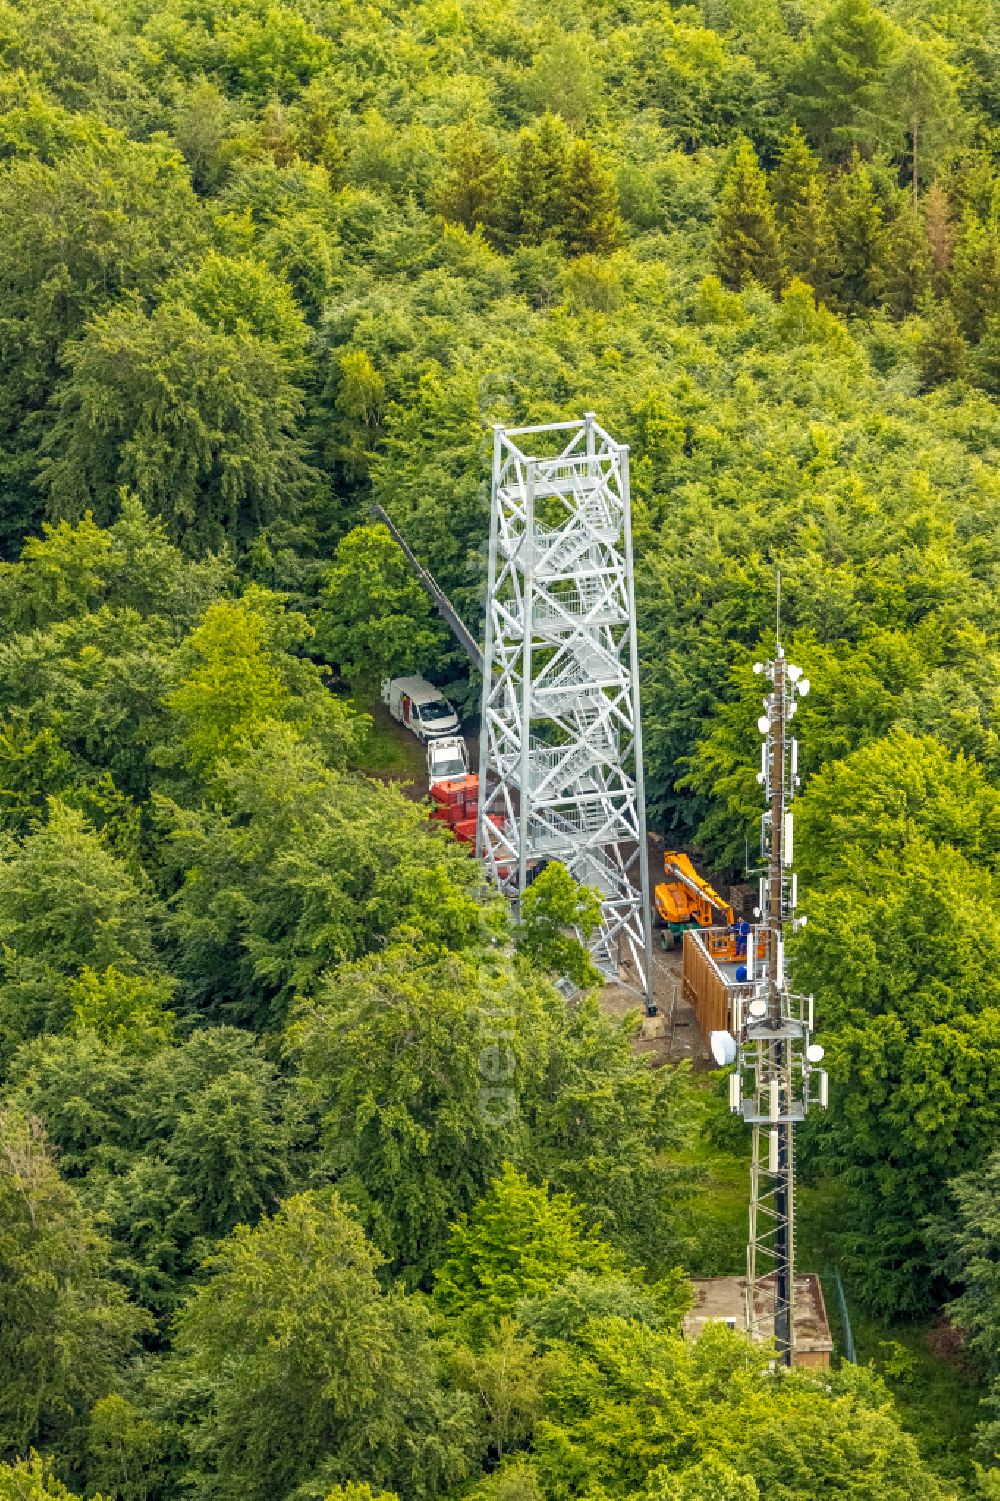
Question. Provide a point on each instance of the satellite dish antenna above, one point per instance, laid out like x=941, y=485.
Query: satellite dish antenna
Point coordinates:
x=757, y=1009
x=723, y=1048
x=794, y=673
x=803, y=688
x=763, y=724
x=815, y=1053
x=758, y=667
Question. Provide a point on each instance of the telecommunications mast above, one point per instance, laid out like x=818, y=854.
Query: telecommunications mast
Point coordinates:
x=776, y=1079
x=560, y=773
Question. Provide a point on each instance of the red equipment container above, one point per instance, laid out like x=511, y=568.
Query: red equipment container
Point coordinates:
x=451, y=816
x=456, y=800
x=457, y=790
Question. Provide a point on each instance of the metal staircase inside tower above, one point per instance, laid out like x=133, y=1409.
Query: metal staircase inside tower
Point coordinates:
x=560, y=747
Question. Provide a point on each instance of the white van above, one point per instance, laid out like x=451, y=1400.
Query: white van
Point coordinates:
x=447, y=760
x=417, y=703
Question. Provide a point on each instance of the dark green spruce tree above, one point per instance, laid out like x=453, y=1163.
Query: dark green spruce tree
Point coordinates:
x=746, y=246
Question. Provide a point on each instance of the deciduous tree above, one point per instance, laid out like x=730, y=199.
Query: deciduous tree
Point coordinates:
x=67, y=1330
x=66, y=903
x=557, y=917
x=517, y=1243
x=375, y=619
x=911, y=1031
x=33, y=1479
x=103, y=221
x=301, y=1362
x=237, y=681
x=418, y=1066
x=201, y=424
x=296, y=869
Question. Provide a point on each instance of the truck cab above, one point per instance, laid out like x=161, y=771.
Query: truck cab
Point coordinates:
x=418, y=705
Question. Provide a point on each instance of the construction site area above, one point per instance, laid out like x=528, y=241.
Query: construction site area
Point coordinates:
x=556, y=775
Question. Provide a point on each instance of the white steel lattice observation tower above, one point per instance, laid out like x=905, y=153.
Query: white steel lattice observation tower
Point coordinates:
x=561, y=742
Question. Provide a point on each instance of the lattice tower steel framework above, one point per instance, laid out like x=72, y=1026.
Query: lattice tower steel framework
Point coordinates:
x=776, y=1078
x=561, y=739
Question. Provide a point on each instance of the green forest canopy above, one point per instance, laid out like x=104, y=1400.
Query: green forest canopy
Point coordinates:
x=263, y=265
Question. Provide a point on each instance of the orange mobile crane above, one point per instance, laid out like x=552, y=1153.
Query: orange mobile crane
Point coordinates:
x=686, y=900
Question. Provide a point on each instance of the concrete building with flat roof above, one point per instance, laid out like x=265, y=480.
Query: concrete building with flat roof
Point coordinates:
x=723, y=1300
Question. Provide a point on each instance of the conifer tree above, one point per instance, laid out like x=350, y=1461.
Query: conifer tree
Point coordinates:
x=808, y=243
x=556, y=188
x=975, y=276
x=534, y=193
x=920, y=95
x=841, y=75
x=746, y=236
x=942, y=352
x=857, y=226
x=985, y=362
x=797, y=165
x=590, y=219
x=907, y=268
x=467, y=191
x=941, y=232
x=549, y=189
x=806, y=233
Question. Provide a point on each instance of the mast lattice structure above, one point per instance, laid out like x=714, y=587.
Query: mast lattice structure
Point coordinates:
x=561, y=740
x=776, y=1079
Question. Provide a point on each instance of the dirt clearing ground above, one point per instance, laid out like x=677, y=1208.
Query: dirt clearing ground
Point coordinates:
x=673, y=1033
